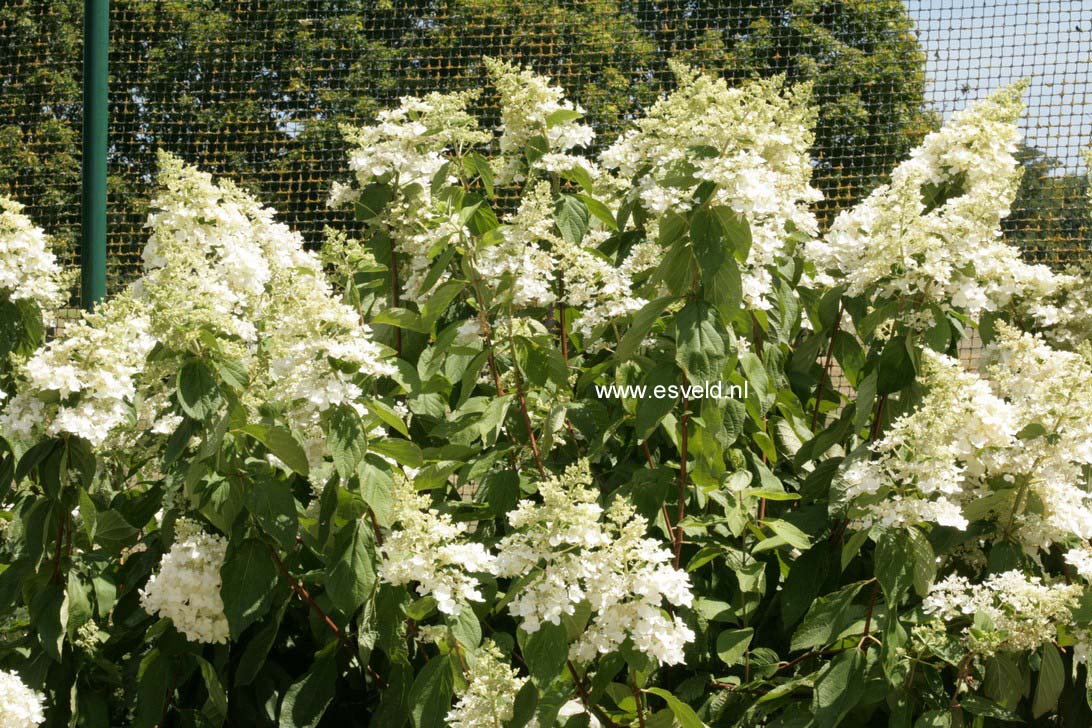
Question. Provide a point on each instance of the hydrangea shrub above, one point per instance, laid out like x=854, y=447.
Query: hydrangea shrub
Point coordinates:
x=466, y=466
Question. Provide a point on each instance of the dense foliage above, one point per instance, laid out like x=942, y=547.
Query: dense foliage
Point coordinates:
x=556, y=439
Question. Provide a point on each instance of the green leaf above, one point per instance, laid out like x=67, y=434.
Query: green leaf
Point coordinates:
x=978, y=705
x=826, y=619
x=700, y=349
x=736, y=231
x=350, y=579
x=466, y=628
x=401, y=451
x=480, y=165
x=438, y=302
x=221, y=501
x=732, y=645
x=306, y=699
x=895, y=369
x=430, y=696
x=1051, y=680
x=838, y=688
x=546, y=651
x=640, y=326
x=79, y=603
x=599, y=211
x=707, y=239
x=925, y=562
x=49, y=613
x=894, y=562
x=402, y=318
x=1004, y=682
x=217, y=706
x=247, y=580
x=525, y=704
x=198, y=394
x=683, y=713
x=571, y=216
x=257, y=649
x=562, y=116
x=792, y=535
x=724, y=289
x=111, y=529
x=153, y=689
x=373, y=199
x=272, y=503
x=387, y=415
x=651, y=409
x=282, y=444
x=346, y=440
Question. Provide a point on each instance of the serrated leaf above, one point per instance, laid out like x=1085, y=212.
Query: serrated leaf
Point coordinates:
x=826, y=618
x=700, y=349
x=247, y=580
x=306, y=700
x=732, y=645
x=345, y=440
x=683, y=713
x=282, y=444
x=430, y=696
x=546, y=651
x=350, y=577
x=274, y=506
x=198, y=394
x=600, y=211
x=640, y=326
x=1051, y=680
x=571, y=217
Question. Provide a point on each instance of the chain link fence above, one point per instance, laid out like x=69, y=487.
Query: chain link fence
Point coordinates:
x=256, y=89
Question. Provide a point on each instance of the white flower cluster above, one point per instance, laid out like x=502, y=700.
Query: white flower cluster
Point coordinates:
x=1013, y=445
x=432, y=550
x=534, y=257
x=927, y=460
x=532, y=107
x=580, y=557
x=20, y=707
x=187, y=588
x=488, y=701
x=83, y=383
x=933, y=235
x=409, y=151
x=28, y=269
x=221, y=279
x=751, y=142
x=1065, y=318
x=1008, y=611
x=404, y=150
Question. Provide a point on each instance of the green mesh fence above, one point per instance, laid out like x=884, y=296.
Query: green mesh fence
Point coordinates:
x=256, y=89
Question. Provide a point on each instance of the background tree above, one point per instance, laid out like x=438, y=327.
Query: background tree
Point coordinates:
x=256, y=89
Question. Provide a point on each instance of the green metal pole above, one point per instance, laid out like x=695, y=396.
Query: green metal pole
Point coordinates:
x=96, y=45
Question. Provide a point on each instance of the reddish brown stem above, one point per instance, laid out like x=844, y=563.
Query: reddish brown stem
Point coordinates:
x=561, y=322
x=395, y=298
x=878, y=419
x=476, y=285
x=586, y=699
x=303, y=594
x=527, y=419
x=681, y=485
x=826, y=368
x=638, y=699
x=961, y=677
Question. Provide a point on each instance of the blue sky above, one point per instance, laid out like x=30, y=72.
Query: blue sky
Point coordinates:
x=974, y=46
